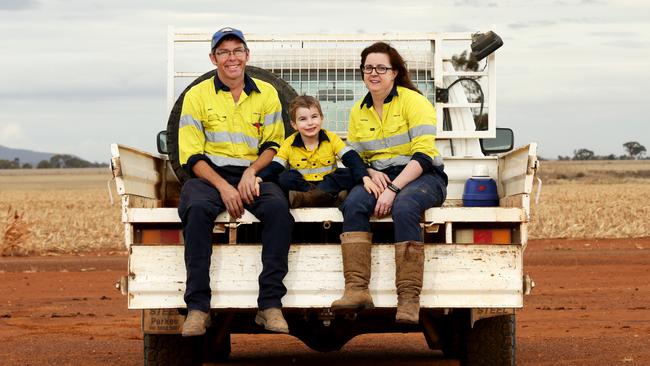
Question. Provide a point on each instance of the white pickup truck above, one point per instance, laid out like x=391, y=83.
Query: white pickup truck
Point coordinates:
x=474, y=275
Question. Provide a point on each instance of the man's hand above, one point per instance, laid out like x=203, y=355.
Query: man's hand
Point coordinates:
x=248, y=186
x=231, y=198
x=380, y=179
x=384, y=203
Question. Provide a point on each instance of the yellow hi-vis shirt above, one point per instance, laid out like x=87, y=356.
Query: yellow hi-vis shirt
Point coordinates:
x=315, y=164
x=229, y=133
x=407, y=127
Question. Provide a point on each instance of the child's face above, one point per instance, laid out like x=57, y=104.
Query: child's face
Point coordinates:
x=307, y=121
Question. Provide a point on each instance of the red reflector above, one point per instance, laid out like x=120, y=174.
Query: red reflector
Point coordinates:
x=482, y=236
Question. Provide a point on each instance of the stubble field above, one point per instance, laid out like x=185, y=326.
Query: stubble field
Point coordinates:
x=589, y=306
x=58, y=211
x=69, y=211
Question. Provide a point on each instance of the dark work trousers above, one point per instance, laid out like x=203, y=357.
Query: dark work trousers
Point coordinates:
x=339, y=180
x=199, y=206
x=428, y=190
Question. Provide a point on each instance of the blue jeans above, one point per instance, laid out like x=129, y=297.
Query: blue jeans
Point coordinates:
x=428, y=190
x=199, y=206
x=339, y=180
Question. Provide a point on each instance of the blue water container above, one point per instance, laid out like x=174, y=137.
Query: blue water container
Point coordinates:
x=480, y=189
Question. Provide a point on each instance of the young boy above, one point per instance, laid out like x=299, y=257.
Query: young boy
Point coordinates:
x=312, y=178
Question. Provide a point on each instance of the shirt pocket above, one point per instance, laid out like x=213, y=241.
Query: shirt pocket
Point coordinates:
x=298, y=162
x=366, y=133
x=217, y=122
x=327, y=161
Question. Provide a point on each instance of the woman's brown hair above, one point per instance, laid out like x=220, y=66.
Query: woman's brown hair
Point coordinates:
x=396, y=62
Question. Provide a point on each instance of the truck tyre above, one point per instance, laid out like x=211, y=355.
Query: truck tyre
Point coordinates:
x=491, y=342
x=216, y=350
x=453, y=334
x=172, y=349
x=285, y=92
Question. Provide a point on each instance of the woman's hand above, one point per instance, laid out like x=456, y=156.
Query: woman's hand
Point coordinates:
x=371, y=187
x=384, y=203
x=380, y=179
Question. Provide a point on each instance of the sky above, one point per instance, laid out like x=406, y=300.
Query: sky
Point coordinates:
x=78, y=75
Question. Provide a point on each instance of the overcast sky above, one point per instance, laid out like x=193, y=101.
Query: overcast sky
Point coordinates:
x=77, y=75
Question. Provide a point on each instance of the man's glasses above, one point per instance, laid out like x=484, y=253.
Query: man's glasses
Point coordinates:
x=238, y=52
x=381, y=69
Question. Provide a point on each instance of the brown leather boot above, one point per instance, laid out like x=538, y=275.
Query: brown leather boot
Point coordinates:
x=195, y=323
x=356, y=248
x=409, y=268
x=312, y=198
x=272, y=319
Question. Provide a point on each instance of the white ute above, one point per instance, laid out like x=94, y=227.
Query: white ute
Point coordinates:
x=474, y=277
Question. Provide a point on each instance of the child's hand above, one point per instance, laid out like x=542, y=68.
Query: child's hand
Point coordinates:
x=371, y=187
x=258, y=180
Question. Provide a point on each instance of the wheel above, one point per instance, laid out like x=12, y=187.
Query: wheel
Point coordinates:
x=217, y=348
x=285, y=92
x=491, y=342
x=172, y=349
x=453, y=334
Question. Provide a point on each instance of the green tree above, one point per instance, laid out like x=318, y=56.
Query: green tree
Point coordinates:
x=43, y=164
x=634, y=149
x=10, y=164
x=583, y=154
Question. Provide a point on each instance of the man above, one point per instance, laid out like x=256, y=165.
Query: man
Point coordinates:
x=230, y=129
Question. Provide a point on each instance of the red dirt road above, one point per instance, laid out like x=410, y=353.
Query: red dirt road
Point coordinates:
x=591, y=306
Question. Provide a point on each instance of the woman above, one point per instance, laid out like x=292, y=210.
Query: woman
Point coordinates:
x=393, y=129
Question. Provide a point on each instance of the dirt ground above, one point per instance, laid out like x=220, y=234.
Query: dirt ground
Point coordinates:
x=591, y=306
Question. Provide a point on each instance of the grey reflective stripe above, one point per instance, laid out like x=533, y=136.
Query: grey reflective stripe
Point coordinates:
x=385, y=163
x=324, y=169
x=356, y=146
x=271, y=118
x=422, y=130
x=437, y=161
x=280, y=161
x=223, y=161
x=396, y=140
x=188, y=120
x=388, y=142
x=234, y=137
x=344, y=151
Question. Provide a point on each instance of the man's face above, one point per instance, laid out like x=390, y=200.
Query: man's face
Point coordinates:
x=230, y=58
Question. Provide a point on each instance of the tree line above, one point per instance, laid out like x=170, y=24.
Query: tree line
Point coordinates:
x=635, y=151
x=59, y=161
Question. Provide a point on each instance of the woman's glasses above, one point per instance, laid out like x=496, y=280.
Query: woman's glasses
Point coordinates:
x=381, y=69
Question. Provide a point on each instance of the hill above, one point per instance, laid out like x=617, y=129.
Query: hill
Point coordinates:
x=25, y=156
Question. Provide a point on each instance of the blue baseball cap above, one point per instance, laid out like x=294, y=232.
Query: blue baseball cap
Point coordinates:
x=223, y=32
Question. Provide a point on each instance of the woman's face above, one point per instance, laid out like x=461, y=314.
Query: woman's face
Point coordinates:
x=375, y=82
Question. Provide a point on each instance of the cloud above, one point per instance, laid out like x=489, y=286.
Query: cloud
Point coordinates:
x=10, y=132
x=613, y=34
x=11, y=5
x=531, y=24
x=476, y=3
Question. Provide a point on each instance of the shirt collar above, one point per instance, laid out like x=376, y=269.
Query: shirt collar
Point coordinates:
x=367, y=100
x=298, y=142
x=249, y=84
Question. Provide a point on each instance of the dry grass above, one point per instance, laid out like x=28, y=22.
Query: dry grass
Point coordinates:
x=15, y=236
x=595, y=171
x=64, y=213
x=69, y=211
x=593, y=199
